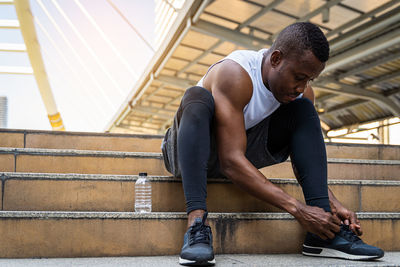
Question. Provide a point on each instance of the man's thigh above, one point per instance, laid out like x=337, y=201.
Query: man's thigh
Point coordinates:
x=169, y=145
x=257, y=146
x=256, y=152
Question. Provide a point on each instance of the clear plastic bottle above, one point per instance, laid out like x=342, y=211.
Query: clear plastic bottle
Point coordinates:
x=142, y=194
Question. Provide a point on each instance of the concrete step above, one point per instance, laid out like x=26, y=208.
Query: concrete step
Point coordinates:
x=152, y=143
x=391, y=259
x=80, y=161
x=88, y=192
x=128, y=163
x=361, y=151
x=80, y=140
x=97, y=234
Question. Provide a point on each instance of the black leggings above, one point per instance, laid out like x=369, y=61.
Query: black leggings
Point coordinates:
x=295, y=126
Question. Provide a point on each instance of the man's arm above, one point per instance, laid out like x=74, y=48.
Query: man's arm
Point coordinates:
x=230, y=86
x=347, y=216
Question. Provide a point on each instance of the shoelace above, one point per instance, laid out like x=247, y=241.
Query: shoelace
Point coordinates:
x=200, y=233
x=349, y=234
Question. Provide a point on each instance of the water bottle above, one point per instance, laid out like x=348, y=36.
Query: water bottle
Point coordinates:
x=142, y=194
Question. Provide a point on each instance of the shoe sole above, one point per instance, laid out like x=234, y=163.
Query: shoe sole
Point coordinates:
x=333, y=253
x=196, y=263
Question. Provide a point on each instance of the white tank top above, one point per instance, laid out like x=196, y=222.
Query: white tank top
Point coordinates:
x=262, y=103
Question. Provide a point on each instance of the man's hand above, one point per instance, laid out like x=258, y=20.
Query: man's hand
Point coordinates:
x=317, y=221
x=348, y=217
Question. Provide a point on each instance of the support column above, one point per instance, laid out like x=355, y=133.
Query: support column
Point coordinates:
x=28, y=31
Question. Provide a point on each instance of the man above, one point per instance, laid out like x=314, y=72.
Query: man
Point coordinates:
x=251, y=110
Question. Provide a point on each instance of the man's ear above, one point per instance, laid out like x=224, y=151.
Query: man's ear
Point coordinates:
x=276, y=58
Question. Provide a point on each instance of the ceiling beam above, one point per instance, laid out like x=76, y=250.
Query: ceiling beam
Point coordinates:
x=229, y=35
x=315, y=12
x=8, y=47
x=167, y=104
x=374, y=63
x=356, y=102
x=183, y=83
x=6, y=2
x=325, y=98
x=238, y=28
x=361, y=18
x=361, y=68
x=311, y=15
x=385, y=41
x=346, y=105
x=9, y=24
x=260, y=13
x=362, y=93
x=380, y=79
x=197, y=59
x=139, y=128
x=150, y=111
x=374, y=25
x=16, y=70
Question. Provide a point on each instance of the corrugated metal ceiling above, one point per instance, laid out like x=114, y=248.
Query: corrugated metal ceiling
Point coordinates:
x=361, y=82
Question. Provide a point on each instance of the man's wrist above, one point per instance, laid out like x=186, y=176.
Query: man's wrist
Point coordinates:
x=292, y=206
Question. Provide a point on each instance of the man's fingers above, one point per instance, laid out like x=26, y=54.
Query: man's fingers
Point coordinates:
x=335, y=219
x=322, y=236
x=353, y=219
x=355, y=224
x=334, y=227
x=330, y=234
x=359, y=231
x=356, y=229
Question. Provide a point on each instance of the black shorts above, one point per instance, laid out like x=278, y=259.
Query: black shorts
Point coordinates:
x=256, y=152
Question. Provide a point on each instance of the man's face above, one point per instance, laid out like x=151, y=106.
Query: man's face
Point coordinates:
x=289, y=76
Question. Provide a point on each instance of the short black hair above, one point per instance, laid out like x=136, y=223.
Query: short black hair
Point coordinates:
x=302, y=36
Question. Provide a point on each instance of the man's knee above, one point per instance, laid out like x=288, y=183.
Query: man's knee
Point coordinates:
x=303, y=108
x=197, y=94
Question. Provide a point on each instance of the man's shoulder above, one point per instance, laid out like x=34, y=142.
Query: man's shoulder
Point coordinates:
x=247, y=53
x=242, y=54
x=231, y=80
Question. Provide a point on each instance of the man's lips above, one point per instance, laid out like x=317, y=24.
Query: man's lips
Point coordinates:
x=292, y=97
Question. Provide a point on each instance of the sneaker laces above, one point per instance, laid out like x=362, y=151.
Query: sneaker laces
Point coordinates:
x=199, y=232
x=349, y=234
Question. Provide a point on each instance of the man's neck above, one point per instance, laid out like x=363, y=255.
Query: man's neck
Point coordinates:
x=264, y=72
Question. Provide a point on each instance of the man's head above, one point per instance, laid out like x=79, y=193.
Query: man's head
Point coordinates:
x=297, y=56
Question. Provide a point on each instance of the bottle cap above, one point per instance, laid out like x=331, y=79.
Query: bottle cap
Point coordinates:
x=143, y=174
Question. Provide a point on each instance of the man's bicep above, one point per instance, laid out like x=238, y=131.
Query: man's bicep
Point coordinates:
x=230, y=129
x=232, y=89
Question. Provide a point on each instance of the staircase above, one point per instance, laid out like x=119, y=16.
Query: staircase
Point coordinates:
x=70, y=194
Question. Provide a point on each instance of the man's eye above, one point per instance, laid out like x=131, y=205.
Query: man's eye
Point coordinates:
x=298, y=78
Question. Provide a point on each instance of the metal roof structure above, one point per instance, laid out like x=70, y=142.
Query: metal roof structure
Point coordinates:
x=361, y=82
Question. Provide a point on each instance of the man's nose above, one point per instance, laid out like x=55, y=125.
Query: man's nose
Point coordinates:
x=301, y=88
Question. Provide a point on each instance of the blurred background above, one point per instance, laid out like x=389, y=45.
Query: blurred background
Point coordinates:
x=122, y=66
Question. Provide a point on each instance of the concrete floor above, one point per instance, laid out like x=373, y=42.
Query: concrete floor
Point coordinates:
x=390, y=259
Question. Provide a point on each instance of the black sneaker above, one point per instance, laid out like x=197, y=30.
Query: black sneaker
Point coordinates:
x=197, y=244
x=345, y=245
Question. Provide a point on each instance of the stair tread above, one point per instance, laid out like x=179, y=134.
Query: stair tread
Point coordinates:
x=77, y=152
x=173, y=215
x=164, y=178
x=153, y=136
x=79, y=133
x=390, y=259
